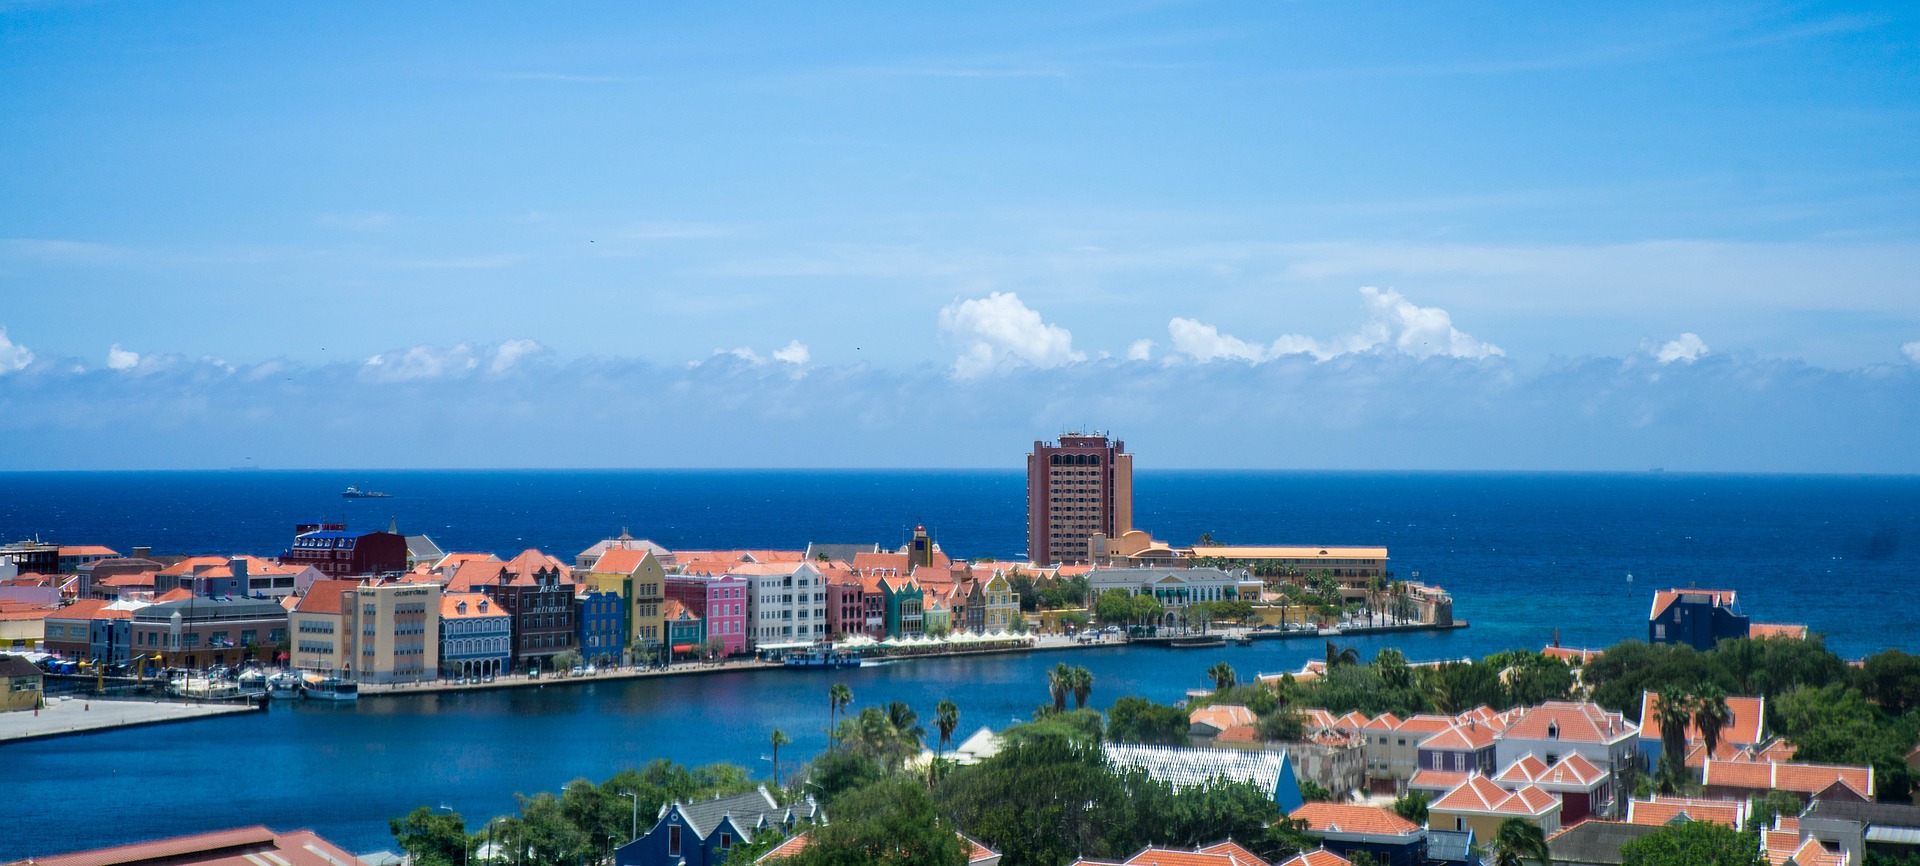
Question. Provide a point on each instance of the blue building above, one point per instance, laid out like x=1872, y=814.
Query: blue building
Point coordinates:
x=476, y=636
x=1699, y=618
x=603, y=627
x=702, y=833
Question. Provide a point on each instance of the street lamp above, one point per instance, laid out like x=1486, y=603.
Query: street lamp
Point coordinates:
x=633, y=832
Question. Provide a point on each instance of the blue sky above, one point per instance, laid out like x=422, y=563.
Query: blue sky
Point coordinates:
x=1322, y=235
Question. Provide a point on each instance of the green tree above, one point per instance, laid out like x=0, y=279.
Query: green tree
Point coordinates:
x=1337, y=656
x=1223, y=676
x=778, y=739
x=839, y=697
x=1314, y=792
x=837, y=771
x=1768, y=806
x=1138, y=720
x=432, y=838
x=566, y=660
x=1674, y=710
x=946, y=719
x=1413, y=807
x=1059, y=683
x=1391, y=664
x=1146, y=608
x=1515, y=842
x=1892, y=680
x=1834, y=724
x=1114, y=607
x=1710, y=714
x=890, y=823
x=1693, y=843
x=1081, y=683
x=1281, y=726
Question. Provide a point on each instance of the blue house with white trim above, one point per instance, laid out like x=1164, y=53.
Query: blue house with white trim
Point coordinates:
x=703, y=832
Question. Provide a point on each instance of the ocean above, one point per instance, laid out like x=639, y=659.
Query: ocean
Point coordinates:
x=1525, y=555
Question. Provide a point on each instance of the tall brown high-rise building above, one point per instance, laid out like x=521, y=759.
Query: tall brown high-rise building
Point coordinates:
x=1077, y=487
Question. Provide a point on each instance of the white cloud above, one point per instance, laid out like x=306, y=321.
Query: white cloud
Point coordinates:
x=998, y=332
x=420, y=362
x=1140, y=350
x=121, y=359
x=794, y=353
x=1911, y=350
x=1688, y=348
x=510, y=352
x=1204, y=342
x=1394, y=325
x=13, y=356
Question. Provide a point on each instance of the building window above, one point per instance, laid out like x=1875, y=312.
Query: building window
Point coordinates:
x=673, y=840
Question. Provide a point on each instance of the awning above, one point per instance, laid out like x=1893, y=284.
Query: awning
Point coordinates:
x=683, y=647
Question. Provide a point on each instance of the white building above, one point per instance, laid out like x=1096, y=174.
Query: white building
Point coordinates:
x=787, y=602
x=1175, y=588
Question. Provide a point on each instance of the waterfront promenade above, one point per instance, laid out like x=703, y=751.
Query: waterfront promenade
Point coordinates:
x=64, y=716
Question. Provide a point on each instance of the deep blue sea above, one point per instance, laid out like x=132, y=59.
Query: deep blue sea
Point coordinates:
x=1524, y=555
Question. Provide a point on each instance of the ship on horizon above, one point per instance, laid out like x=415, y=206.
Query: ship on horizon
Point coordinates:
x=354, y=492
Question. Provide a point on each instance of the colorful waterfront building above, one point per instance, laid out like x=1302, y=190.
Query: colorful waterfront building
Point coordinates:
x=720, y=601
x=786, y=602
x=999, y=604
x=339, y=552
x=904, y=604
x=202, y=632
x=633, y=569
x=1175, y=588
x=603, y=626
x=846, y=605
x=20, y=684
x=391, y=632
x=538, y=591
x=476, y=636
x=686, y=631
x=935, y=619
x=314, y=623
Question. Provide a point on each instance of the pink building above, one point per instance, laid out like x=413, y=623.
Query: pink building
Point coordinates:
x=721, y=600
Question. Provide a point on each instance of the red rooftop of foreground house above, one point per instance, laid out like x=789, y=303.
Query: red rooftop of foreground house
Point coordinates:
x=1661, y=811
x=1783, y=631
x=248, y=846
x=1324, y=818
x=1320, y=857
x=977, y=854
x=1819, y=781
x=1569, y=721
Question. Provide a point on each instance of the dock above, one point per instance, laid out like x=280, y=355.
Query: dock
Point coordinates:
x=66, y=716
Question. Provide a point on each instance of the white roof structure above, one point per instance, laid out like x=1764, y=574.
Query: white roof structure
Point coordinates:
x=1193, y=768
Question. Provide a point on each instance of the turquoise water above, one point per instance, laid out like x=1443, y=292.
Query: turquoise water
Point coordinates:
x=1524, y=554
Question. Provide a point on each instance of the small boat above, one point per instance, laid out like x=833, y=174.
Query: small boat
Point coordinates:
x=283, y=687
x=1197, y=641
x=318, y=688
x=1243, y=640
x=821, y=658
x=354, y=492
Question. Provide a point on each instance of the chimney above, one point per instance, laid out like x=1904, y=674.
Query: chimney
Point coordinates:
x=143, y=553
x=238, y=565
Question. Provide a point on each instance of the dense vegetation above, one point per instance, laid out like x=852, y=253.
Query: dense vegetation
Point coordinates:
x=1049, y=796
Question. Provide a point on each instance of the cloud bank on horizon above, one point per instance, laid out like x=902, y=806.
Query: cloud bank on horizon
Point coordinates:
x=1405, y=389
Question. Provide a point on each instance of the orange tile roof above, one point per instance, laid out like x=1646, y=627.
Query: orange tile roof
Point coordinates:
x=1176, y=857
x=1660, y=811
x=1665, y=598
x=1573, y=770
x=86, y=608
x=882, y=562
x=324, y=596
x=1382, y=722
x=1762, y=630
x=1353, y=720
x=1744, y=727
x=1317, y=857
x=1346, y=818
x=1778, y=845
x=1576, y=657
x=1480, y=795
x=88, y=550
x=1239, y=734
x=1436, y=780
x=1527, y=769
x=1233, y=850
x=1426, y=723
x=475, y=572
x=1470, y=737
x=522, y=567
x=1314, y=717
x=798, y=842
x=450, y=606
x=1577, y=722
x=1222, y=716
x=1798, y=778
x=620, y=561
x=175, y=594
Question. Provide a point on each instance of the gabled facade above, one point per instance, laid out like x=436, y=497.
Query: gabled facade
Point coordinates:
x=1556, y=729
x=786, y=602
x=705, y=832
x=337, y=551
x=538, y=591
x=476, y=637
x=904, y=600
x=1382, y=835
x=999, y=604
x=638, y=575
x=1699, y=618
x=603, y=626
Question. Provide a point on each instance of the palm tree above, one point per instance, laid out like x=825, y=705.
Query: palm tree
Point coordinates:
x=906, y=724
x=780, y=738
x=1391, y=664
x=839, y=697
x=946, y=718
x=1710, y=714
x=1672, y=715
x=1337, y=656
x=1517, y=842
x=1082, y=686
x=1376, y=586
x=1059, y=682
x=1223, y=676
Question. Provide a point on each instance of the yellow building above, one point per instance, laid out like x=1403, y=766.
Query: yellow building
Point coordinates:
x=1002, y=604
x=1480, y=805
x=19, y=684
x=390, y=632
x=23, y=629
x=636, y=574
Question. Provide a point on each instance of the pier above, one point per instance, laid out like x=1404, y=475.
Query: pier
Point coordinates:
x=63, y=716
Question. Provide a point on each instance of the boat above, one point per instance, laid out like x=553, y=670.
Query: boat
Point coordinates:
x=1197, y=641
x=354, y=492
x=821, y=658
x=1243, y=640
x=208, y=689
x=315, y=687
x=283, y=687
